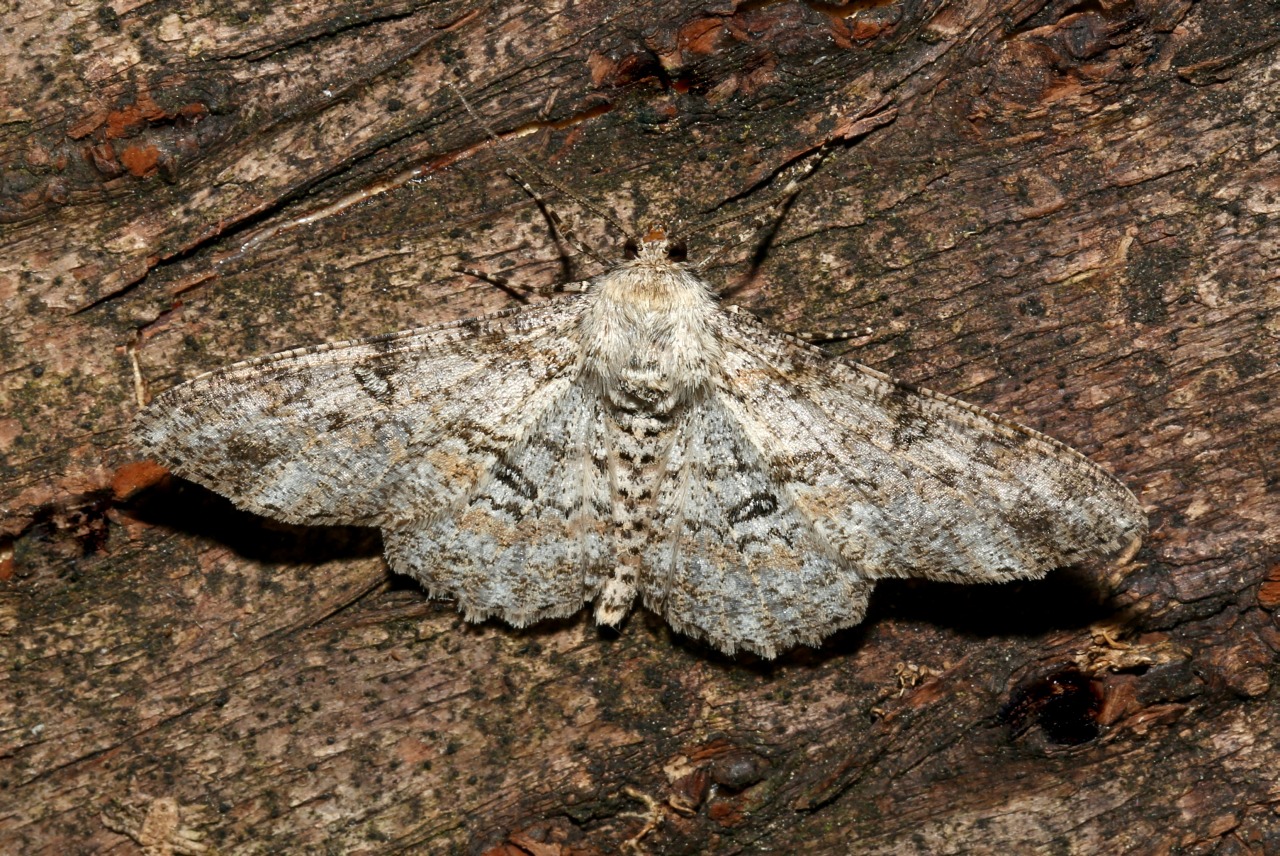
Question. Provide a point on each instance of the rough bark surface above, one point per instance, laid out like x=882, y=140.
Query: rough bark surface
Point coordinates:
x=1063, y=211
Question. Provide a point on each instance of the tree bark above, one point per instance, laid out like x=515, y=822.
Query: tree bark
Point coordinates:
x=1064, y=212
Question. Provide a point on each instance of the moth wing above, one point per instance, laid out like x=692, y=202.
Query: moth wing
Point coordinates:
x=369, y=432
x=532, y=539
x=733, y=559
x=903, y=481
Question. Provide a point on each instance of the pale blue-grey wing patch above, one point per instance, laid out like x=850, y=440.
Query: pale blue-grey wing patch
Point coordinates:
x=535, y=537
x=352, y=433
x=732, y=559
x=908, y=482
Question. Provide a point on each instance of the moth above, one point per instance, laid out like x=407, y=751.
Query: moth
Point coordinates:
x=639, y=439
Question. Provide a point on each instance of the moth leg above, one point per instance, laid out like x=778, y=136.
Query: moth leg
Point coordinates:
x=493, y=279
x=519, y=291
x=823, y=337
x=816, y=337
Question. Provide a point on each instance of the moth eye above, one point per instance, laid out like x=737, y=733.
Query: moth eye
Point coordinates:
x=630, y=249
x=677, y=251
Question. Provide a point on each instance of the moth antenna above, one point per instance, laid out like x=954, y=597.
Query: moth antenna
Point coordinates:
x=533, y=169
x=557, y=222
x=762, y=212
x=757, y=257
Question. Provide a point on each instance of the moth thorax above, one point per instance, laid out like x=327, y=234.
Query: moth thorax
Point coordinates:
x=648, y=336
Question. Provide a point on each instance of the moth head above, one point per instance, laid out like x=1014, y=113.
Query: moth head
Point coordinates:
x=656, y=246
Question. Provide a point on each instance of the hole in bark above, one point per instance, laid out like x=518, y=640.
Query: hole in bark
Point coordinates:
x=1065, y=706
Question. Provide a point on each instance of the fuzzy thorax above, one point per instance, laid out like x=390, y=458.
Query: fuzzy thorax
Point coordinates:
x=647, y=332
